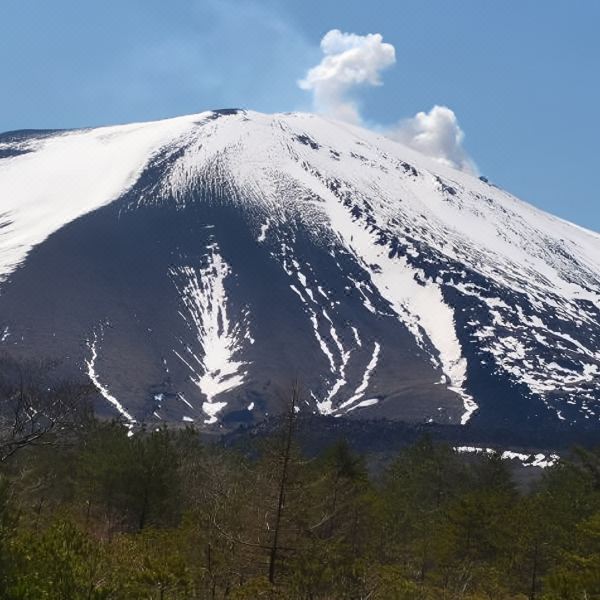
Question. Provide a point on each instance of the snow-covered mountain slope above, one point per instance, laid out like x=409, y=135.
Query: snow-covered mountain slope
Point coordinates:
x=191, y=268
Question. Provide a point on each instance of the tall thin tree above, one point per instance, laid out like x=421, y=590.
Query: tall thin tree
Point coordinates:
x=283, y=479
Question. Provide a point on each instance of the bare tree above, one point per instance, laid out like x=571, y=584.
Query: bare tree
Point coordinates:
x=34, y=404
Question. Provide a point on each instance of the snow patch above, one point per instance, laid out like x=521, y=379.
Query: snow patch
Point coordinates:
x=104, y=392
x=360, y=390
x=263, y=231
x=215, y=369
x=70, y=174
x=211, y=409
x=527, y=460
x=418, y=303
x=364, y=404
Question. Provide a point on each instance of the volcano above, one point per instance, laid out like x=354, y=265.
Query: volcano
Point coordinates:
x=192, y=268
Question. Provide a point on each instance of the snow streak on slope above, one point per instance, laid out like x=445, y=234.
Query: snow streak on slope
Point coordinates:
x=322, y=325
x=102, y=389
x=322, y=314
x=359, y=392
x=214, y=365
x=418, y=304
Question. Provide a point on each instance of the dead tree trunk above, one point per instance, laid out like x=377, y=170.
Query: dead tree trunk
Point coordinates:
x=283, y=478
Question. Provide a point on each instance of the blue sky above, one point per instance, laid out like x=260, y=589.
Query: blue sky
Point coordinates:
x=522, y=77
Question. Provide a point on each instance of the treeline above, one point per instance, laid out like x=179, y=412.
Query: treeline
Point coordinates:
x=93, y=512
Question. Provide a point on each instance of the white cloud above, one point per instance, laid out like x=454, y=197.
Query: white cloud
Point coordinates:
x=352, y=61
x=349, y=61
x=436, y=134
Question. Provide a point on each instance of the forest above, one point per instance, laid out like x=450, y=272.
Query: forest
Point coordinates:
x=90, y=509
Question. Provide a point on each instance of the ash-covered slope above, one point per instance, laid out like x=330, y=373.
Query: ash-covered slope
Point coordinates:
x=192, y=268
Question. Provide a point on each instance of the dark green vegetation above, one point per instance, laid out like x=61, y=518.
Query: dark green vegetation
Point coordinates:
x=89, y=512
